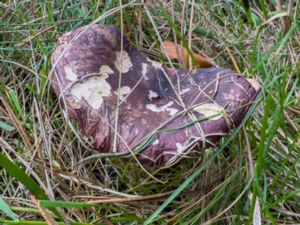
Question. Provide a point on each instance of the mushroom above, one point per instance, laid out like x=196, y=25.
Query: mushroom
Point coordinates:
x=128, y=104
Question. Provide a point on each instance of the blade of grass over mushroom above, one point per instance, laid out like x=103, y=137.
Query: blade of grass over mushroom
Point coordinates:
x=147, y=141
x=5, y=208
x=23, y=178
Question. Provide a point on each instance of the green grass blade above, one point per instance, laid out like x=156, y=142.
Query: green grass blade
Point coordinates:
x=6, y=126
x=23, y=178
x=246, y=7
x=264, y=9
x=64, y=204
x=4, y=207
x=14, y=101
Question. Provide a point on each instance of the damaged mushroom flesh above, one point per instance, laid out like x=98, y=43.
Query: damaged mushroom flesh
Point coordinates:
x=128, y=104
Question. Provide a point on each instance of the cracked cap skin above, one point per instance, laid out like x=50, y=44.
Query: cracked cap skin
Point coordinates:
x=160, y=113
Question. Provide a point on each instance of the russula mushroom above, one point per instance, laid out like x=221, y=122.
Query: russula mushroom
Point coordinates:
x=128, y=104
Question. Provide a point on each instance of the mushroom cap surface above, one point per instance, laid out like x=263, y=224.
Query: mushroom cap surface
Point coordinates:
x=127, y=103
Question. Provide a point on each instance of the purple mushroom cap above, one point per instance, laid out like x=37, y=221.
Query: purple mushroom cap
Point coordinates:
x=128, y=104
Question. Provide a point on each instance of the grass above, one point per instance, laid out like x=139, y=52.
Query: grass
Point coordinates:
x=252, y=178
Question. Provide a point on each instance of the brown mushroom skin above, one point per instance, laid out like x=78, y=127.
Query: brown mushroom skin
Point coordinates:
x=93, y=77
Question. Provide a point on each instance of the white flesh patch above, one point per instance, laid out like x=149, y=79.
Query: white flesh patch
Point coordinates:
x=70, y=75
x=156, y=142
x=145, y=70
x=124, y=91
x=92, y=90
x=254, y=84
x=211, y=110
x=228, y=97
x=179, y=148
x=154, y=63
x=152, y=94
x=105, y=71
x=68, y=33
x=122, y=62
x=232, y=96
x=155, y=108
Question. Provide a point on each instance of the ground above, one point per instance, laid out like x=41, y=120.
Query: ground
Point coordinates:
x=49, y=175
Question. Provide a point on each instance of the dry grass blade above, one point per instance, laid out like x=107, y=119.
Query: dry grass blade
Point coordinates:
x=47, y=216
